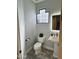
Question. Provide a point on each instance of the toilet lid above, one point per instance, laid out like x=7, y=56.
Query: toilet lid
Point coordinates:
x=38, y=44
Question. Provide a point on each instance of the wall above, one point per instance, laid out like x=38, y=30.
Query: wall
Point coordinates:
x=43, y=28
x=52, y=6
x=30, y=23
x=27, y=22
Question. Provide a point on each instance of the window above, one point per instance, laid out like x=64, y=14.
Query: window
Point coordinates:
x=43, y=16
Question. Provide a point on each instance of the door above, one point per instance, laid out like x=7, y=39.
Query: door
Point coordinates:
x=19, y=56
x=56, y=22
x=60, y=40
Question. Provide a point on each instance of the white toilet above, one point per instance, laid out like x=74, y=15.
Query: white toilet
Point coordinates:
x=38, y=45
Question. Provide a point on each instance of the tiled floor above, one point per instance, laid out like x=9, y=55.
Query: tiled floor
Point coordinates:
x=45, y=54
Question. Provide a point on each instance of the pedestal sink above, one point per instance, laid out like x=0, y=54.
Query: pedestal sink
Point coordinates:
x=52, y=42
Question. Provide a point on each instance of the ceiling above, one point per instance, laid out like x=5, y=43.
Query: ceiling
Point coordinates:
x=38, y=1
x=50, y=5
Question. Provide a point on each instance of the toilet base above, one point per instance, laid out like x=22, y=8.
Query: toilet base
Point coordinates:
x=38, y=51
x=37, y=47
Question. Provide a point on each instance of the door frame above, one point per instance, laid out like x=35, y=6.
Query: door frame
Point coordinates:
x=19, y=55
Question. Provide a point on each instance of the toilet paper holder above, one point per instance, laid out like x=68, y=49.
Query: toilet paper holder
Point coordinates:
x=27, y=39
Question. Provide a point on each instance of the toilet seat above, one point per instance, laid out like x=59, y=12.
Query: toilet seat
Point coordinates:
x=37, y=45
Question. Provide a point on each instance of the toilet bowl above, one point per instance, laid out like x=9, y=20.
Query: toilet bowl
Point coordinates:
x=38, y=45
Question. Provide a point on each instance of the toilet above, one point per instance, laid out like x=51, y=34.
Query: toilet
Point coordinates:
x=38, y=45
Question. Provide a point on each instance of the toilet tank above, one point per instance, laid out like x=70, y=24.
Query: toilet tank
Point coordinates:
x=41, y=39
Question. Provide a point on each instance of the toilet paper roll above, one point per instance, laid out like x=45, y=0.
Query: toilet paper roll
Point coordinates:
x=28, y=39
